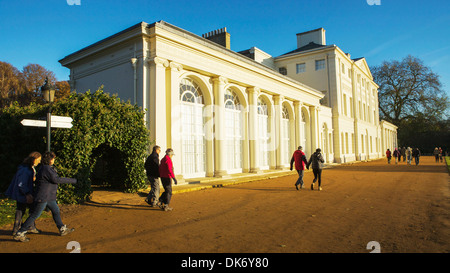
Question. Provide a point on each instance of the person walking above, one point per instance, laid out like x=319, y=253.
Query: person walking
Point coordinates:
x=316, y=162
x=47, y=181
x=300, y=161
x=152, y=169
x=166, y=173
x=396, y=155
x=408, y=155
x=416, y=155
x=21, y=190
x=403, y=152
x=436, y=154
x=440, y=154
x=388, y=156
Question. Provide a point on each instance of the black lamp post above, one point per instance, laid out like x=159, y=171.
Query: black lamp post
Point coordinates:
x=49, y=96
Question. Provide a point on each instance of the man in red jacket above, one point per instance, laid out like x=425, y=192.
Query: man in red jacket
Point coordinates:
x=166, y=173
x=300, y=161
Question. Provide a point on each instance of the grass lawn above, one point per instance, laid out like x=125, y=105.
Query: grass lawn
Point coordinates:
x=447, y=160
x=7, y=211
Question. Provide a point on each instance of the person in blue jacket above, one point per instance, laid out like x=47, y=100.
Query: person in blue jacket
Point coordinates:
x=47, y=181
x=21, y=189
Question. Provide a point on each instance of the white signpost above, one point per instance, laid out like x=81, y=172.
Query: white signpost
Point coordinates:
x=55, y=122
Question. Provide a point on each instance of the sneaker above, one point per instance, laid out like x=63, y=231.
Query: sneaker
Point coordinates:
x=167, y=208
x=296, y=186
x=312, y=186
x=21, y=237
x=148, y=202
x=64, y=230
x=34, y=231
x=320, y=188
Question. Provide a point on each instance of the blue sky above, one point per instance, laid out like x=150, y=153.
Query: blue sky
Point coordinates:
x=45, y=31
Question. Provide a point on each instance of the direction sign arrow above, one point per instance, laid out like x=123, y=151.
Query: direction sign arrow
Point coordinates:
x=58, y=123
x=62, y=119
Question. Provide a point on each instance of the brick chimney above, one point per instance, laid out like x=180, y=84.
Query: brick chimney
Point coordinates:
x=219, y=36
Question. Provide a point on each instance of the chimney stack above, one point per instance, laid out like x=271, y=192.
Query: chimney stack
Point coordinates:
x=313, y=36
x=219, y=36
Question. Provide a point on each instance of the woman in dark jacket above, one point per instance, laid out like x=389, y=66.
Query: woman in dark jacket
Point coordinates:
x=21, y=189
x=316, y=161
x=47, y=181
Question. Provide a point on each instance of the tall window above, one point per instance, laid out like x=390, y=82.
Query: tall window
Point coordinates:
x=285, y=137
x=233, y=128
x=320, y=64
x=192, y=134
x=263, y=130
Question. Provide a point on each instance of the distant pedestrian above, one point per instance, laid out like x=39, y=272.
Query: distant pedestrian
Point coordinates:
x=21, y=190
x=300, y=161
x=388, y=156
x=166, y=173
x=408, y=155
x=436, y=154
x=440, y=154
x=315, y=161
x=403, y=152
x=396, y=155
x=47, y=181
x=416, y=155
x=152, y=170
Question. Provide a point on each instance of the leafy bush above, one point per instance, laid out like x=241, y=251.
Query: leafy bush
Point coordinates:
x=100, y=123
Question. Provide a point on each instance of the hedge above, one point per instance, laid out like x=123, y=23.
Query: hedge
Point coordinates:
x=103, y=125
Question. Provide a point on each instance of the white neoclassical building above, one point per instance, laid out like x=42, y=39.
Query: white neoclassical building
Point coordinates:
x=228, y=112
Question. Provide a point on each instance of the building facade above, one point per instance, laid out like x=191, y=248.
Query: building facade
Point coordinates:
x=228, y=112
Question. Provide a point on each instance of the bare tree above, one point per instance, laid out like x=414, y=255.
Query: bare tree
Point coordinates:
x=32, y=78
x=408, y=87
x=9, y=84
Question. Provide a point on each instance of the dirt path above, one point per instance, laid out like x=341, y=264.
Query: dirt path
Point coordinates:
x=404, y=208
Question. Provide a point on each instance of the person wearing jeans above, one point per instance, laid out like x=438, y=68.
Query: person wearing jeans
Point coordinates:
x=152, y=170
x=166, y=173
x=316, y=160
x=21, y=189
x=47, y=181
x=300, y=161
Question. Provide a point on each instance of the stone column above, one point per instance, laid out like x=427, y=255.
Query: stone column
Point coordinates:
x=277, y=134
x=173, y=125
x=220, y=154
x=253, y=93
x=157, y=101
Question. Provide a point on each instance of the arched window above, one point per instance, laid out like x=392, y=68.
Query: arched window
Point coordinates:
x=193, y=145
x=285, y=136
x=264, y=135
x=233, y=131
x=190, y=92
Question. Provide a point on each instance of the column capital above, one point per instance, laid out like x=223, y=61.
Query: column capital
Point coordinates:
x=254, y=89
x=175, y=66
x=158, y=61
x=219, y=80
x=298, y=104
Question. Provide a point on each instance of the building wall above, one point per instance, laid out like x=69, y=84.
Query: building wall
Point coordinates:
x=314, y=109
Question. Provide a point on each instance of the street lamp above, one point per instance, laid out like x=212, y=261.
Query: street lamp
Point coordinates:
x=49, y=96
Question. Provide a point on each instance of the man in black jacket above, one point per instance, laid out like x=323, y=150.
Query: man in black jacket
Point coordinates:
x=152, y=169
